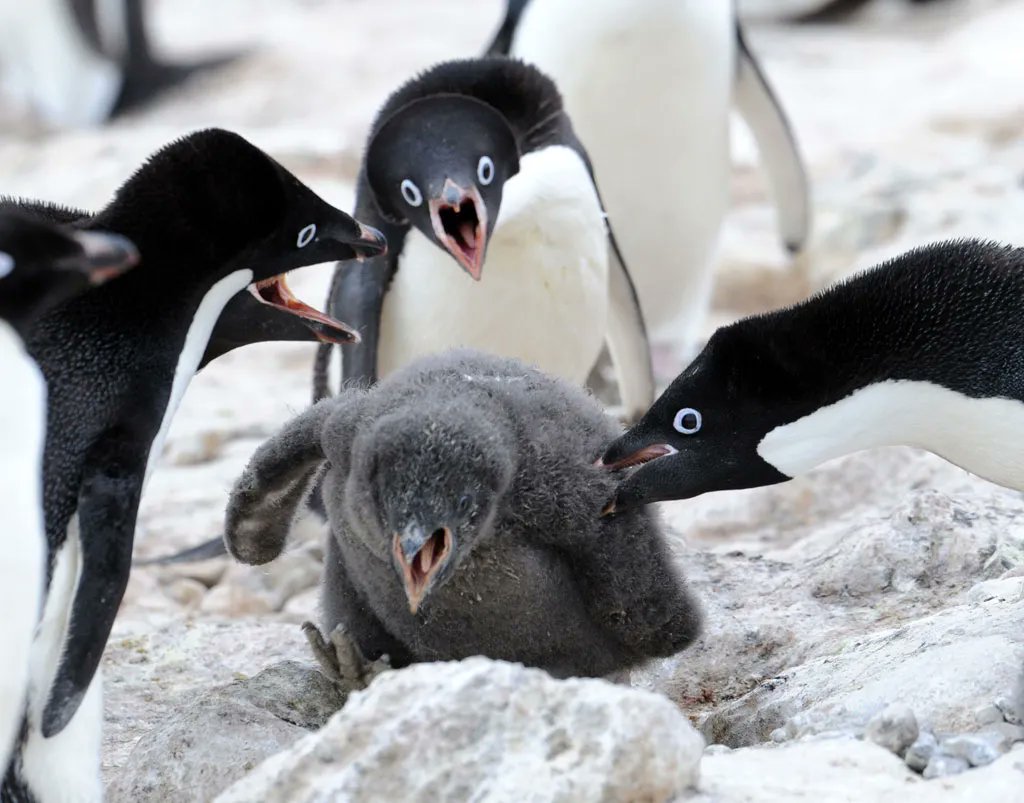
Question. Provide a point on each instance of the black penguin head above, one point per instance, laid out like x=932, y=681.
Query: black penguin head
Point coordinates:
x=228, y=206
x=438, y=476
x=42, y=265
x=441, y=163
x=703, y=432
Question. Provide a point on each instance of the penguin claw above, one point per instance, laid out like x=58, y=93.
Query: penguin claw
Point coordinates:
x=341, y=661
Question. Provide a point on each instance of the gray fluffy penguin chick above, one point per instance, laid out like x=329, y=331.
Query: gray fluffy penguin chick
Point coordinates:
x=464, y=505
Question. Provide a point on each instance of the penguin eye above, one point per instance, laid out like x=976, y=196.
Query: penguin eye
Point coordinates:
x=464, y=502
x=411, y=193
x=485, y=170
x=306, y=236
x=687, y=421
x=6, y=263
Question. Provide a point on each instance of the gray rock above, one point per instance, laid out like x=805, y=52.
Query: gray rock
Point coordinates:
x=921, y=751
x=1006, y=731
x=489, y=730
x=218, y=737
x=894, y=728
x=988, y=714
x=976, y=750
x=942, y=765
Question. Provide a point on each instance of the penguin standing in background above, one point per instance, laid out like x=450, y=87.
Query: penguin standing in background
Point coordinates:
x=212, y=215
x=463, y=500
x=649, y=85
x=81, y=62
x=497, y=236
x=926, y=350
x=40, y=267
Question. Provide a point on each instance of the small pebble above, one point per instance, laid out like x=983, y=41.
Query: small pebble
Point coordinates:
x=942, y=765
x=717, y=749
x=894, y=728
x=975, y=750
x=1012, y=733
x=987, y=714
x=1010, y=712
x=921, y=751
x=779, y=735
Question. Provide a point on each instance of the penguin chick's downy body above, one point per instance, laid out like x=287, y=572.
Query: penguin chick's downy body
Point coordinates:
x=40, y=267
x=211, y=215
x=464, y=505
x=80, y=62
x=498, y=238
x=649, y=85
x=926, y=350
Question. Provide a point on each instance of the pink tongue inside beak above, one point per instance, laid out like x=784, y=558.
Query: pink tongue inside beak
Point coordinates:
x=468, y=233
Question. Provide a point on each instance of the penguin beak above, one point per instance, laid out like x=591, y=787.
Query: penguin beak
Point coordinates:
x=104, y=256
x=646, y=484
x=274, y=292
x=368, y=243
x=459, y=218
x=419, y=556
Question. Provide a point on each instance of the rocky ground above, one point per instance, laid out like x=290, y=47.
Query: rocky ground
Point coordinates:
x=885, y=578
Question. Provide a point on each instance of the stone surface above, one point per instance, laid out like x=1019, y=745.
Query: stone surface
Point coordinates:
x=894, y=728
x=487, y=731
x=211, y=741
x=975, y=750
x=942, y=765
x=921, y=751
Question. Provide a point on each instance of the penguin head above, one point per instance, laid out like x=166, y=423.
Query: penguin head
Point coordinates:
x=703, y=432
x=437, y=477
x=42, y=265
x=228, y=206
x=440, y=163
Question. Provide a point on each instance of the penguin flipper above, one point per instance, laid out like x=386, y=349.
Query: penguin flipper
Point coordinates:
x=780, y=154
x=108, y=504
x=627, y=337
x=501, y=45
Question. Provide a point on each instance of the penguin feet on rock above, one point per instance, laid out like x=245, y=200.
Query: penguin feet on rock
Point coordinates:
x=341, y=660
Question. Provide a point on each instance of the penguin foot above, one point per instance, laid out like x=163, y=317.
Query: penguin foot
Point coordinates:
x=341, y=660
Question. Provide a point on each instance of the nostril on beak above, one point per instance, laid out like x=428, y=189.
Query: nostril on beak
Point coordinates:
x=452, y=196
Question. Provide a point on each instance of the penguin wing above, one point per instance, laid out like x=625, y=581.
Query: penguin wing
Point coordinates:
x=627, y=337
x=108, y=502
x=780, y=154
x=501, y=45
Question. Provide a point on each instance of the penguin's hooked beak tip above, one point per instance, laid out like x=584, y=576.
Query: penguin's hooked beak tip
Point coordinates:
x=459, y=219
x=371, y=243
x=419, y=557
x=274, y=292
x=106, y=256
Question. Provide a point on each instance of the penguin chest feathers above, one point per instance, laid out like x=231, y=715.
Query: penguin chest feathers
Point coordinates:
x=543, y=296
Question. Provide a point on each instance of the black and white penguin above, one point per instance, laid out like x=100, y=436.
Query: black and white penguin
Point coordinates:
x=649, y=86
x=40, y=267
x=497, y=235
x=926, y=350
x=463, y=499
x=211, y=215
x=80, y=62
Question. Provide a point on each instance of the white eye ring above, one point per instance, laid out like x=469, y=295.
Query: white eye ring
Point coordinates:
x=679, y=426
x=485, y=170
x=411, y=193
x=6, y=263
x=306, y=236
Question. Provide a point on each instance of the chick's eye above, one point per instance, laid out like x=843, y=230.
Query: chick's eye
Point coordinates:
x=485, y=170
x=464, y=503
x=411, y=193
x=687, y=421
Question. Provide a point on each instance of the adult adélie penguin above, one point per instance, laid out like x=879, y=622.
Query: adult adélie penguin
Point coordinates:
x=926, y=350
x=41, y=266
x=497, y=236
x=649, y=86
x=212, y=216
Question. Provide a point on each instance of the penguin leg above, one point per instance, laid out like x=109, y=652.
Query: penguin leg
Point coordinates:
x=341, y=660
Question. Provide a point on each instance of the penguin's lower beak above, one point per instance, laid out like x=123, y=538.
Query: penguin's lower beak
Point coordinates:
x=274, y=292
x=626, y=495
x=459, y=218
x=419, y=556
x=104, y=255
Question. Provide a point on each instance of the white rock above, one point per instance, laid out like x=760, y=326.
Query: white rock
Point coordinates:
x=976, y=750
x=988, y=714
x=894, y=728
x=942, y=765
x=921, y=751
x=489, y=731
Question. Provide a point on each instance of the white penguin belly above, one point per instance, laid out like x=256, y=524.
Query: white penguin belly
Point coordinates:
x=543, y=296
x=648, y=85
x=22, y=430
x=979, y=435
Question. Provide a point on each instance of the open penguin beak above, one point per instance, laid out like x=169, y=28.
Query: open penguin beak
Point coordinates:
x=459, y=218
x=419, y=555
x=274, y=292
x=656, y=475
x=106, y=255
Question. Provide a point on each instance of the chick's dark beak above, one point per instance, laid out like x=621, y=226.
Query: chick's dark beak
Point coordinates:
x=459, y=218
x=419, y=555
x=105, y=255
